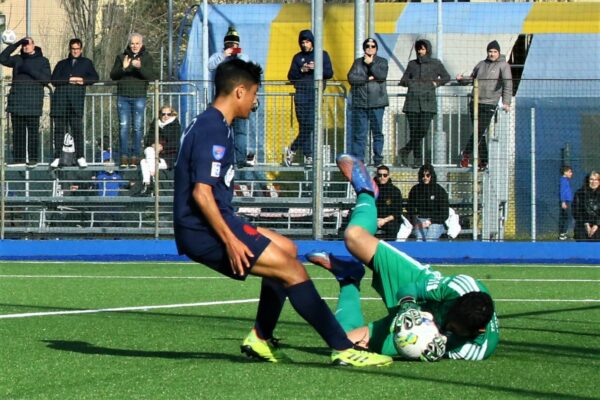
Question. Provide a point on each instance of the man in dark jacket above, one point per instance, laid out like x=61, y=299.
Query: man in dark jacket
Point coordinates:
x=389, y=205
x=495, y=83
x=133, y=70
x=367, y=78
x=70, y=77
x=301, y=74
x=428, y=206
x=422, y=76
x=31, y=71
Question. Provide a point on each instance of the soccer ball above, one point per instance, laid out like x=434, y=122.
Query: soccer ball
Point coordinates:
x=9, y=36
x=413, y=330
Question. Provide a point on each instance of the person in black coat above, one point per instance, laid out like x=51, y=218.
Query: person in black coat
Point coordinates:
x=389, y=205
x=31, y=71
x=133, y=69
x=422, y=76
x=428, y=206
x=70, y=78
x=586, y=209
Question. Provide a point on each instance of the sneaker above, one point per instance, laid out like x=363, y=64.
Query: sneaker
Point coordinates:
x=81, y=162
x=359, y=357
x=289, y=157
x=344, y=271
x=250, y=160
x=263, y=350
x=55, y=163
x=562, y=236
x=355, y=171
x=308, y=160
x=465, y=161
x=133, y=162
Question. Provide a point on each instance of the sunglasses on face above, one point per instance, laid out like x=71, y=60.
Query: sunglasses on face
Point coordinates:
x=168, y=114
x=382, y=175
x=370, y=46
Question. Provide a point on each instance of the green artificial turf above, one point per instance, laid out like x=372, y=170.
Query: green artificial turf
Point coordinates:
x=189, y=349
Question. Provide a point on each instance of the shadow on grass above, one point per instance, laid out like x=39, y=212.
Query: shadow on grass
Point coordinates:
x=556, y=350
x=548, y=311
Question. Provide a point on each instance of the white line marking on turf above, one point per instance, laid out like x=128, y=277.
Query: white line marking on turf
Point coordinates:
x=218, y=303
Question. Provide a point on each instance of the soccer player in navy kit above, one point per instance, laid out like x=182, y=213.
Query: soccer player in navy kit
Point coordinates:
x=208, y=231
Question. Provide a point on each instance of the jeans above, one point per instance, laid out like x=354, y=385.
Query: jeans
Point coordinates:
x=305, y=113
x=131, y=109
x=429, y=234
x=363, y=121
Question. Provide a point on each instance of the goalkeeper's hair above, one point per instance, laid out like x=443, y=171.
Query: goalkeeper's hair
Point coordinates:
x=472, y=311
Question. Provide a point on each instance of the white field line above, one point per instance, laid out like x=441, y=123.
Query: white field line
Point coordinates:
x=16, y=276
x=218, y=303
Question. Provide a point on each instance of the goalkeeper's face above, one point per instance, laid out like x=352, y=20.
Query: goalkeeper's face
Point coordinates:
x=459, y=330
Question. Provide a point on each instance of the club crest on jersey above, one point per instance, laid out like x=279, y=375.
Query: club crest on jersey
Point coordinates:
x=218, y=152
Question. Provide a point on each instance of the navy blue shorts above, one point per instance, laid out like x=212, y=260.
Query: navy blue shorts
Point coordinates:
x=208, y=249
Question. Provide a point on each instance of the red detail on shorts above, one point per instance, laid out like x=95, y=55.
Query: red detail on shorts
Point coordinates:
x=249, y=230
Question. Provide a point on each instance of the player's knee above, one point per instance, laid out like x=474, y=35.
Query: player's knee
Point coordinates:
x=353, y=236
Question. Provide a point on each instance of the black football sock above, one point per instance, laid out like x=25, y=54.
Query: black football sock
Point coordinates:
x=306, y=301
x=272, y=299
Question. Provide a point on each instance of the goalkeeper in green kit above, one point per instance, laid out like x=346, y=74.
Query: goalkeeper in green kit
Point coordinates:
x=461, y=306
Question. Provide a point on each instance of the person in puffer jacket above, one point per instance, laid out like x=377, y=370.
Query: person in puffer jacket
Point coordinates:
x=495, y=83
x=30, y=73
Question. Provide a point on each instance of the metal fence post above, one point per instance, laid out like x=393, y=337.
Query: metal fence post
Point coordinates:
x=156, y=160
x=475, y=157
x=533, y=185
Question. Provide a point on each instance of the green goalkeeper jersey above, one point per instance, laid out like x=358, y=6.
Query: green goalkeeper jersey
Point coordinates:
x=396, y=275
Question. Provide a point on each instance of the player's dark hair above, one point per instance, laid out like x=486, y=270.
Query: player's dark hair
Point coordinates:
x=472, y=311
x=234, y=72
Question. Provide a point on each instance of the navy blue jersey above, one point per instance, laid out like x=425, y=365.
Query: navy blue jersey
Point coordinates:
x=206, y=156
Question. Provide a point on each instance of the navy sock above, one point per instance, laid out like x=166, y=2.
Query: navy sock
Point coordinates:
x=272, y=299
x=306, y=301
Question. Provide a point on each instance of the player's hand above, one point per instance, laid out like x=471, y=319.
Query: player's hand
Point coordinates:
x=506, y=107
x=435, y=350
x=239, y=255
x=407, y=303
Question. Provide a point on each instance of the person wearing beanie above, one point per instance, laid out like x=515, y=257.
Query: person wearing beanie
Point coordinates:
x=495, y=83
x=422, y=77
x=301, y=75
x=232, y=50
x=367, y=78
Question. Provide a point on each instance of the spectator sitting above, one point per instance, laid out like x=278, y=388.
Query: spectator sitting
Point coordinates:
x=428, y=206
x=109, y=182
x=389, y=205
x=586, y=209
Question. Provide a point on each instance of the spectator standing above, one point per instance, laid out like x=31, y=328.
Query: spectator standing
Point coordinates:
x=302, y=75
x=428, y=206
x=495, y=83
x=30, y=73
x=70, y=78
x=231, y=50
x=132, y=70
x=586, y=209
x=422, y=77
x=169, y=131
x=367, y=78
x=566, y=199
x=389, y=205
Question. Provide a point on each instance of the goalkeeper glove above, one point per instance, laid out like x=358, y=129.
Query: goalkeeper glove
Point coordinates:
x=435, y=350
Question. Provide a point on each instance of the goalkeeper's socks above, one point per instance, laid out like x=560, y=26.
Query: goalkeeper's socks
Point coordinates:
x=306, y=301
x=364, y=213
x=349, y=310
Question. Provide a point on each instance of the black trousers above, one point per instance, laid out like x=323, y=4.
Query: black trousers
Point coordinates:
x=68, y=123
x=418, y=125
x=486, y=113
x=26, y=138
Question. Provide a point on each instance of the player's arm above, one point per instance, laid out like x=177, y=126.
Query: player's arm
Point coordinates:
x=238, y=252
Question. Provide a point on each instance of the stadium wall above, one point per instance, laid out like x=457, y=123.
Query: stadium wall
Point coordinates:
x=438, y=253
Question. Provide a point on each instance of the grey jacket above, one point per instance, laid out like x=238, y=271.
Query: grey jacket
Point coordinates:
x=369, y=93
x=495, y=81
